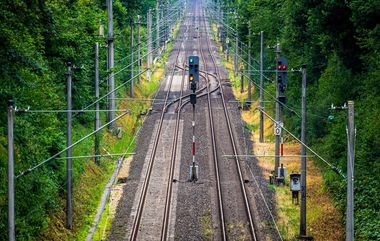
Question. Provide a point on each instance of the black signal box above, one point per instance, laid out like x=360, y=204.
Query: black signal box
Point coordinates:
x=194, y=69
x=282, y=68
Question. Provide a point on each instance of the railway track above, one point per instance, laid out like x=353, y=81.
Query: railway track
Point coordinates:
x=168, y=102
x=212, y=83
x=142, y=199
x=219, y=168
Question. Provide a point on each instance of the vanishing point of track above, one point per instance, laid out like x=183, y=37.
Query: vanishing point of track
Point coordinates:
x=167, y=103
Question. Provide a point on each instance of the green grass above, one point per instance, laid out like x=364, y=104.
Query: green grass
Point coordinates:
x=207, y=228
x=252, y=127
x=91, y=190
x=288, y=213
x=104, y=224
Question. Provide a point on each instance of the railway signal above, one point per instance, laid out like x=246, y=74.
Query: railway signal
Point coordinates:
x=282, y=68
x=193, y=72
x=282, y=77
x=193, y=78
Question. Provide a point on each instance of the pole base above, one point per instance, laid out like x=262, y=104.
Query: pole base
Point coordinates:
x=193, y=173
x=305, y=237
x=247, y=105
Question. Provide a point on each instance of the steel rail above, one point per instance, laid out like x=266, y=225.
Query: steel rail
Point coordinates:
x=169, y=187
x=214, y=151
x=137, y=220
x=233, y=142
x=198, y=92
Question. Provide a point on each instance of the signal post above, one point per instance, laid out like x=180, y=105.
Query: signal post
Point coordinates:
x=281, y=84
x=193, y=79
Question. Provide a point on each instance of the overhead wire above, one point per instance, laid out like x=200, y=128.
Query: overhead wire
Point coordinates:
x=270, y=95
x=123, y=84
x=64, y=111
x=26, y=171
x=144, y=55
x=289, y=107
x=334, y=168
x=22, y=173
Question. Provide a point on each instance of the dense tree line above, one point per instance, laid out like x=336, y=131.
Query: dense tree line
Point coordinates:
x=339, y=42
x=37, y=38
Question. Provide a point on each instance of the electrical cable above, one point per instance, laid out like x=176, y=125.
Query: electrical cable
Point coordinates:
x=27, y=171
x=64, y=111
x=270, y=95
x=91, y=156
x=291, y=108
x=334, y=168
x=118, y=87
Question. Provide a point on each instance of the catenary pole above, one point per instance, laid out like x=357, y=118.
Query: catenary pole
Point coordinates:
x=222, y=34
x=163, y=17
x=278, y=116
x=303, y=155
x=158, y=28
x=150, y=59
x=236, y=46
x=166, y=24
x=11, y=177
x=350, y=172
x=69, y=203
x=249, y=62
x=97, y=94
x=111, y=78
x=241, y=81
x=139, y=48
x=261, y=138
x=131, y=91
x=227, y=38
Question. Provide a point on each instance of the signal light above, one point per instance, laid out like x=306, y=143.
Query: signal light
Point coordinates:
x=282, y=75
x=281, y=66
x=193, y=71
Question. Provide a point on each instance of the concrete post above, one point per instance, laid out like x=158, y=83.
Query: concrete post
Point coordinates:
x=69, y=202
x=139, y=49
x=303, y=156
x=97, y=117
x=111, y=79
x=236, y=47
x=158, y=29
x=150, y=54
x=351, y=132
x=249, y=63
x=278, y=116
x=261, y=86
x=11, y=177
x=131, y=90
x=242, y=81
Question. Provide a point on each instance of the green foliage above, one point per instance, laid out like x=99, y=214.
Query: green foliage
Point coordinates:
x=339, y=42
x=37, y=39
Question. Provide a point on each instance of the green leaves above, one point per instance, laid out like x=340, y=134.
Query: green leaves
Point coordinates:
x=38, y=38
x=339, y=42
